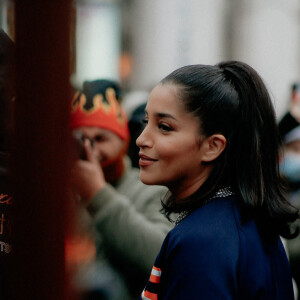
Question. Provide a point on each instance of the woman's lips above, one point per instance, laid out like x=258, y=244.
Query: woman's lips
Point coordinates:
x=146, y=160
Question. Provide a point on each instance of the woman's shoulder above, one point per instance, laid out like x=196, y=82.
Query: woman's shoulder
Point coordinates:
x=205, y=242
x=215, y=217
x=212, y=226
x=219, y=223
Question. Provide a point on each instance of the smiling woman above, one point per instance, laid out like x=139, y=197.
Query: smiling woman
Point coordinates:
x=175, y=134
x=203, y=140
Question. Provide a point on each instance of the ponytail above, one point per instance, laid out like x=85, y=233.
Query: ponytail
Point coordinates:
x=255, y=153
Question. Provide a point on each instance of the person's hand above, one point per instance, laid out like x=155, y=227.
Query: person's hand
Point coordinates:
x=87, y=177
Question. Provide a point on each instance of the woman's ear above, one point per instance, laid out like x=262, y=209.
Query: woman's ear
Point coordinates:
x=213, y=146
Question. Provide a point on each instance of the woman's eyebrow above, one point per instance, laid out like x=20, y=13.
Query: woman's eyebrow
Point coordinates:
x=162, y=115
x=165, y=115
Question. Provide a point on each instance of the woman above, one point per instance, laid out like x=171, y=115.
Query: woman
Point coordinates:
x=211, y=138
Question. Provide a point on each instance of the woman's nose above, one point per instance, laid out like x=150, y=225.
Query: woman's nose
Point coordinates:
x=143, y=139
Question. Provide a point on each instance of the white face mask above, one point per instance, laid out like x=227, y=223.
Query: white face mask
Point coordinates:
x=290, y=167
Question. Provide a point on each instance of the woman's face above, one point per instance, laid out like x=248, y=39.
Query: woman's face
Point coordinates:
x=171, y=145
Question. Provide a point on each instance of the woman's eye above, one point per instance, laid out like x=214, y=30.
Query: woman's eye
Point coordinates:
x=164, y=127
x=145, y=121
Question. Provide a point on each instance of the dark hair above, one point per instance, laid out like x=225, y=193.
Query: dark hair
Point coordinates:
x=230, y=98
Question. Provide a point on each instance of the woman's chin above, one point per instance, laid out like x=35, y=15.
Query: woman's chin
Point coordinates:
x=148, y=180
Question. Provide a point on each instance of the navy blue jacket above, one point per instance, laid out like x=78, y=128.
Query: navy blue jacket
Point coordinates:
x=212, y=255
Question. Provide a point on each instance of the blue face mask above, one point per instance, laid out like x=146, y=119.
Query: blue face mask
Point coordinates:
x=290, y=167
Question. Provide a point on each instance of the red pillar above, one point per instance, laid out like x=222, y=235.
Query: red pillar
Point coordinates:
x=41, y=154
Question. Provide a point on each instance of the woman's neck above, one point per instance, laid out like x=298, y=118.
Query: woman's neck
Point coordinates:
x=185, y=188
